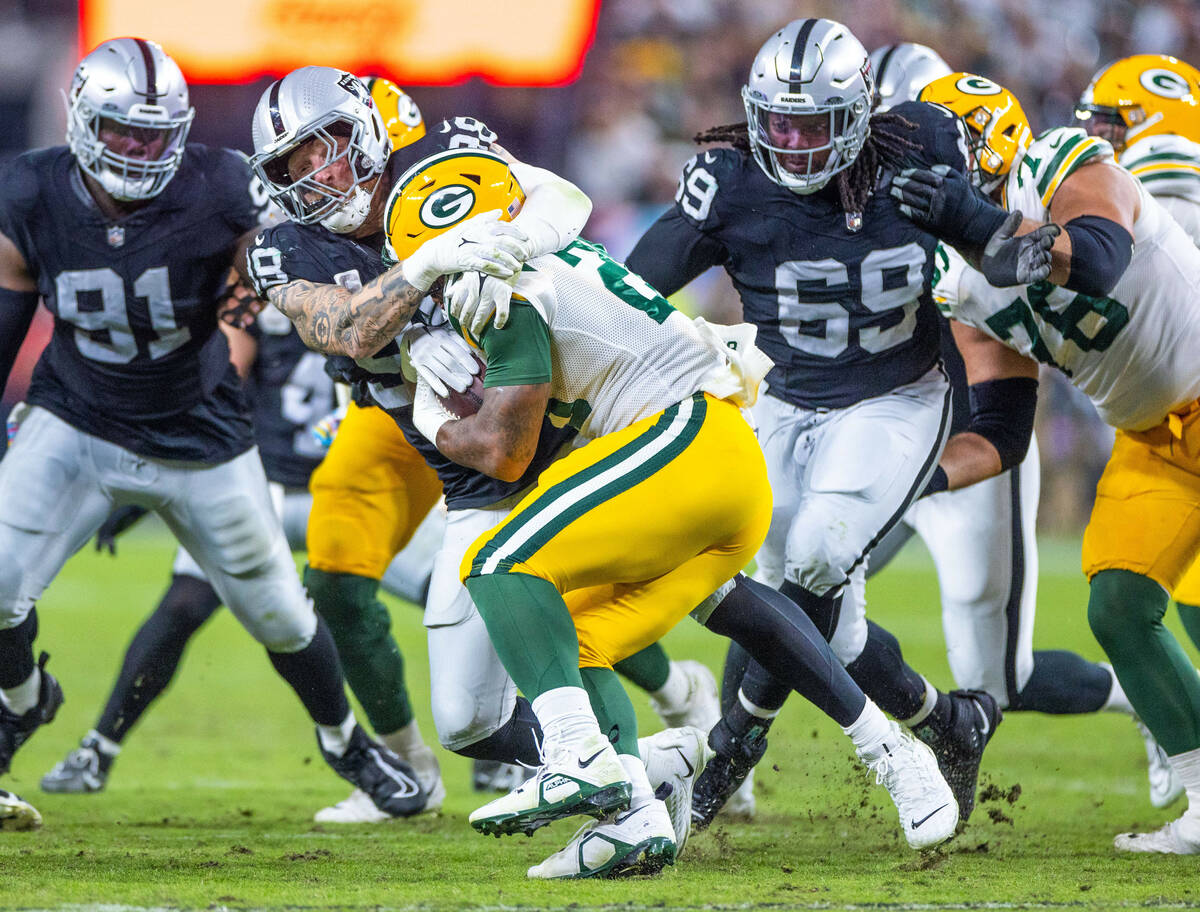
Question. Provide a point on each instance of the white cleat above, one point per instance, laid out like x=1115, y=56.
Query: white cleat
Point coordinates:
x=701, y=708
x=581, y=778
x=17, y=814
x=1165, y=787
x=674, y=757
x=741, y=805
x=637, y=841
x=908, y=769
x=1167, y=840
x=357, y=808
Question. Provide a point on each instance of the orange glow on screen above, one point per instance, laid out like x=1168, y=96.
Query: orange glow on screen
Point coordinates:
x=416, y=42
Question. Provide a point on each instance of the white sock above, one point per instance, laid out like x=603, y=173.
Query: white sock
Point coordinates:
x=336, y=738
x=635, y=772
x=870, y=729
x=404, y=741
x=107, y=745
x=931, y=696
x=754, y=709
x=674, y=693
x=565, y=714
x=1117, y=701
x=24, y=696
x=1187, y=768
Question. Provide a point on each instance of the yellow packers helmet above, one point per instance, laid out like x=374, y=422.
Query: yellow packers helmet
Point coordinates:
x=1139, y=96
x=401, y=116
x=443, y=189
x=996, y=123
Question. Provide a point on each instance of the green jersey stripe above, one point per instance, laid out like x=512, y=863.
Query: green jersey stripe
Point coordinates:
x=1059, y=157
x=1184, y=175
x=574, y=497
x=1163, y=157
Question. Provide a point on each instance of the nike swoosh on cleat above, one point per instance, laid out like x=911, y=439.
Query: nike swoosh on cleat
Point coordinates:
x=584, y=764
x=690, y=769
x=621, y=818
x=987, y=724
x=917, y=823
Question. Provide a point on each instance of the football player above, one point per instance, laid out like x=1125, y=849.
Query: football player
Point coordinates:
x=857, y=408
x=1148, y=107
x=127, y=234
x=291, y=391
x=1120, y=316
x=623, y=537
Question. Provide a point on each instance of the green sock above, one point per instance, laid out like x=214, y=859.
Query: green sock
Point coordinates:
x=648, y=669
x=362, y=629
x=613, y=710
x=1190, y=615
x=1126, y=611
x=531, y=630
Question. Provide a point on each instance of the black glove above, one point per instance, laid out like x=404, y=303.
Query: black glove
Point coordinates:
x=1009, y=260
x=118, y=521
x=946, y=204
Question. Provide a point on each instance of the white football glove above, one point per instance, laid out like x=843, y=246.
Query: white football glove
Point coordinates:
x=428, y=413
x=473, y=299
x=482, y=243
x=441, y=358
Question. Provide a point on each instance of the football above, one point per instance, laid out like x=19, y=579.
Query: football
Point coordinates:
x=467, y=403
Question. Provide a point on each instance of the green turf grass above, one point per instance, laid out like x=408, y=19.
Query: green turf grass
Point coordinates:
x=210, y=804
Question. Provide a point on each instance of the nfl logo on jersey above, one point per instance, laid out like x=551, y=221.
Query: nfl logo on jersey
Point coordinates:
x=116, y=236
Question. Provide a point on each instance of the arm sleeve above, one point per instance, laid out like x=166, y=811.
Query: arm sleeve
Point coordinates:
x=673, y=252
x=518, y=354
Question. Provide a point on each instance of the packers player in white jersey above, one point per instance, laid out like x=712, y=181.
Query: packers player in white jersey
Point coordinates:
x=1120, y=317
x=1148, y=107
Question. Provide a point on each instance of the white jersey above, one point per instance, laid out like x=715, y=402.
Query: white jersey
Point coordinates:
x=1169, y=167
x=619, y=352
x=1132, y=353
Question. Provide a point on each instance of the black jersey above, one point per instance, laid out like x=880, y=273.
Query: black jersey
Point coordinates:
x=290, y=392
x=135, y=356
x=844, y=311
x=288, y=252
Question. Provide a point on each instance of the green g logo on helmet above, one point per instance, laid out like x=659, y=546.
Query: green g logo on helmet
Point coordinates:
x=1165, y=83
x=447, y=205
x=977, y=85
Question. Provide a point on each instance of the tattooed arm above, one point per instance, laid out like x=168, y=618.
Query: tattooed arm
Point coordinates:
x=336, y=321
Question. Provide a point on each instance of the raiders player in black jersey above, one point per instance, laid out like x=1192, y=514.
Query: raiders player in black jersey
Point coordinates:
x=127, y=235
x=858, y=409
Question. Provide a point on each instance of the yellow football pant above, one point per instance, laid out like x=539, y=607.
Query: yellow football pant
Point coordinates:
x=1147, y=513
x=369, y=495
x=640, y=526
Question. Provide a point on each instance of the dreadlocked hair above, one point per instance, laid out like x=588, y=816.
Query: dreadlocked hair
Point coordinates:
x=886, y=145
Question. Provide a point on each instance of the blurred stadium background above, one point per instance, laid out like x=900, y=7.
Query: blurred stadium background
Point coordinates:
x=608, y=93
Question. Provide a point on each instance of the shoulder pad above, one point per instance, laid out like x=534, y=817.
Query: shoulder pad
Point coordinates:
x=19, y=181
x=1167, y=165
x=1055, y=155
x=939, y=134
x=707, y=175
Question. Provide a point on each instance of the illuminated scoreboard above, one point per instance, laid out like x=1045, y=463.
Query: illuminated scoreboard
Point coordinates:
x=416, y=42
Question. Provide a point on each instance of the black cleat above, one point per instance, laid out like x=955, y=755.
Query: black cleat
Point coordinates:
x=389, y=782
x=958, y=747
x=16, y=730
x=735, y=757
